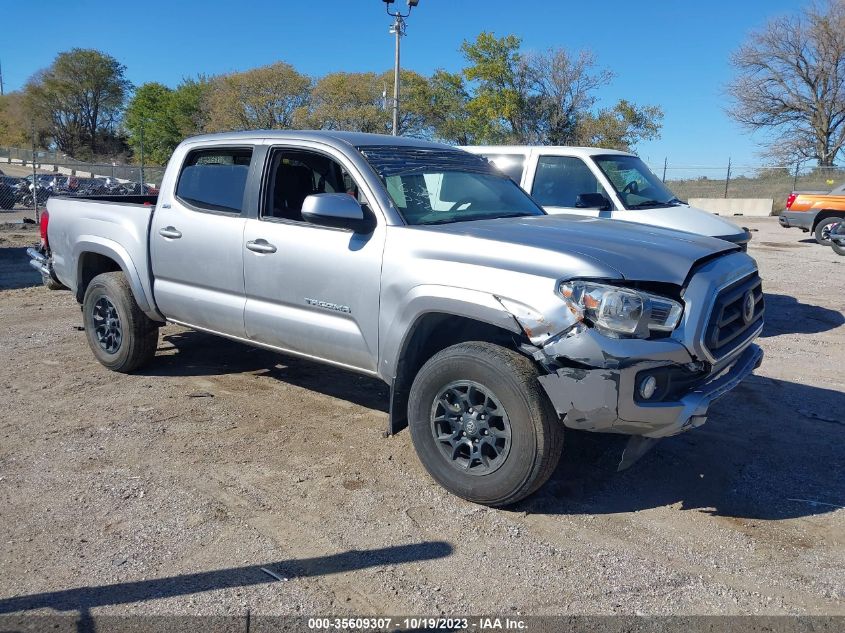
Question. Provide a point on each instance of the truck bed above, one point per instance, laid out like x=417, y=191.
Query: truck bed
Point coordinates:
x=116, y=227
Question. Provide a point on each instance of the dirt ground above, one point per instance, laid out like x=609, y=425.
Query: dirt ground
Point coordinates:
x=165, y=492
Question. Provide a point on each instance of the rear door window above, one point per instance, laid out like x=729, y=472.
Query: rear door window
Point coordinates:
x=215, y=179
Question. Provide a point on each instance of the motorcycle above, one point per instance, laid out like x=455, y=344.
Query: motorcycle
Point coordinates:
x=36, y=192
x=837, y=238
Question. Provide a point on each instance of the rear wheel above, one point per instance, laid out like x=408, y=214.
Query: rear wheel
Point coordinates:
x=481, y=425
x=121, y=336
x=839, y=250
x=822, y=230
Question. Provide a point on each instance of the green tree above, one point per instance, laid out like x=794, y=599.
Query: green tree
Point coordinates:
x=446, y=109
x=349, y=101
x=414, y=102
x=262, y=98
x=187, y=106
x=148, y=120
x=165, y=116
x=620, y=127
x=506, y=96
x=81, y=96
x=498, y=76
x=16, y=124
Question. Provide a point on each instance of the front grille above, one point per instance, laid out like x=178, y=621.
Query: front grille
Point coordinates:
x=730, y=326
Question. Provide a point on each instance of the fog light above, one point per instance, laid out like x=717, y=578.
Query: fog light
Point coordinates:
x=648, y=386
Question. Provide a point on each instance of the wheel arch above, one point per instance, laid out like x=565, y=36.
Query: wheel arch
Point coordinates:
x=95, y=256
x=825, y=214
x=434, y=330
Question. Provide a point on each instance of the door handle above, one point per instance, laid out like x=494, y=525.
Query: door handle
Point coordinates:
x=170, y=232
x=261, y=246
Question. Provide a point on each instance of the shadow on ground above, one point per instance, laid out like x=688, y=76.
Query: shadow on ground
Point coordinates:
x=201, y=354
x=15, y=271
x=787, y=315
x=83, y=599
x=770, y=450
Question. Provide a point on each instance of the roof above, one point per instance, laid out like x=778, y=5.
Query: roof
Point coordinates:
x=562, y=150
x=331, y=137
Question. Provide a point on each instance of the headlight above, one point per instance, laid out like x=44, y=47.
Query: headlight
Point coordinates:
x=620, y=311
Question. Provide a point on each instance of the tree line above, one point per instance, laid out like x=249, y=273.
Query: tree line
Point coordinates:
x=84, y=105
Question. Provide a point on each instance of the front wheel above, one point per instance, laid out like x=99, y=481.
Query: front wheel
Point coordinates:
x=121, y=336
x=481, y=425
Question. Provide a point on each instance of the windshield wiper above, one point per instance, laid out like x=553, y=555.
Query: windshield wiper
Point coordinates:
x=645, y=204
x=471, y=218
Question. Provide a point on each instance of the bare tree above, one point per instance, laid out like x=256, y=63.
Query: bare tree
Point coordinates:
x=564, y=88
x=791, y=83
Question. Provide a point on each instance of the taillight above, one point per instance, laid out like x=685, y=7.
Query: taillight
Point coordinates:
x=45, y=219
x=790, y=200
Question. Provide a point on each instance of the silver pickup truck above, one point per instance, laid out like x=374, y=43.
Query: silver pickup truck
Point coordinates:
x=494, y=324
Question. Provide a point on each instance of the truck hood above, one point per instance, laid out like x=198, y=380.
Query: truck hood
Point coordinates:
x=636, y=252
x=685, y=218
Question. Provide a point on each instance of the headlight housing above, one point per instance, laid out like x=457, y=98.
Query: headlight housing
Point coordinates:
x=619, y=311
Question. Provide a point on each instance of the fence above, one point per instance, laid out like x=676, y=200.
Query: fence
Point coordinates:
x=59, y=174
x=54, y=161
x=748, y=181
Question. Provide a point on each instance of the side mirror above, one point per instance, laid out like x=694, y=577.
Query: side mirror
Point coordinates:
x=592, y=201
x=339, y=210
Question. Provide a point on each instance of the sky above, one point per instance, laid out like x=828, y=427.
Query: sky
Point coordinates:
x=671, y=53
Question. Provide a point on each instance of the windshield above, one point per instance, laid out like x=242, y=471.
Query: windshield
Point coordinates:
x=637, y=186
x=441, y=186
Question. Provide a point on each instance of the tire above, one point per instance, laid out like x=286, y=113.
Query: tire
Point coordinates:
x=824, y=227
x=499, y=376
x=839, y=250
x=127, y=344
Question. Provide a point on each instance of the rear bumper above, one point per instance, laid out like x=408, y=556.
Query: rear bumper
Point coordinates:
x=40, y=262
x=797, y=220
x=604, y=400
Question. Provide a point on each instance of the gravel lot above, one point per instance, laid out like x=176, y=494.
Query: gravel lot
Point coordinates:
x=165, y=492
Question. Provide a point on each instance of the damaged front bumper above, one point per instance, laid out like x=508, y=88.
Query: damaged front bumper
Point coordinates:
x=605, y=399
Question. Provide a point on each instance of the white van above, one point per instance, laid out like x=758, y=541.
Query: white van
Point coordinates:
x=603, y=183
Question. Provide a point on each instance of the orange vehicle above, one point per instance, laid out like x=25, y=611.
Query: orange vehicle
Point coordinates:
x=816, y=212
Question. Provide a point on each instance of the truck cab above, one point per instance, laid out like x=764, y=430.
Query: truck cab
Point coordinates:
x=603, y=183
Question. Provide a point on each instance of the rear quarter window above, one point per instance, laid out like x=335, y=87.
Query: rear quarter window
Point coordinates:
x=215, y=179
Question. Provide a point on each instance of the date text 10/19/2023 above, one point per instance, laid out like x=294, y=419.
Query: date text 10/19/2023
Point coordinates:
x=430, y=623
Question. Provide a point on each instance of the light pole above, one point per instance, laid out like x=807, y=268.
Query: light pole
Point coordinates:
x=398, y=30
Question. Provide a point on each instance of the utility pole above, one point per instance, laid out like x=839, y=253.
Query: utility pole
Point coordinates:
x=398, y=30
x=1, y=80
